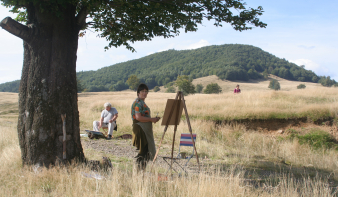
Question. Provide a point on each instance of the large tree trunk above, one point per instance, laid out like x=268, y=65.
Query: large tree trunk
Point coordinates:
x=48, y=87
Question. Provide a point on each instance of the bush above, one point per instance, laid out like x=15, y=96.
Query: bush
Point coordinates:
x=170, y=89
x=274, y=84
x=156, y=89
x=301, y=86
x=199, y=88
x=316, y=139
x=213, y=88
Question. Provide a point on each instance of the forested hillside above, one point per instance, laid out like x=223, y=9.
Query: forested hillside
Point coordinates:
x=228, y=62
x=12, y=86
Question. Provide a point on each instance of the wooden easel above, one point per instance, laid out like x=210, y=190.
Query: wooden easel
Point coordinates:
x=177, y=104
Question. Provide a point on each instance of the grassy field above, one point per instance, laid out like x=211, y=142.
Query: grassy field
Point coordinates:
x=236, y=161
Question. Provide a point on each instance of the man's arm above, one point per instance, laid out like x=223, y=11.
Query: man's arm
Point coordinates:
x=101, y=122
x=114, y=118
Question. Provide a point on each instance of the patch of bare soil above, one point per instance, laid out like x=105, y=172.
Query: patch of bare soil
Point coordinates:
x=122, y=148
x=283, y=126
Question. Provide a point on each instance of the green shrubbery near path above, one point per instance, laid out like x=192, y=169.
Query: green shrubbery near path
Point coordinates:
x=317, y=139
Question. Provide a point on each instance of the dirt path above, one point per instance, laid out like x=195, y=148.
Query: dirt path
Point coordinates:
x=122, y=148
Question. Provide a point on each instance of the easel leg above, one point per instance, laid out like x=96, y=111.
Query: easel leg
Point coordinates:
x=190, y=130
x=165, y=130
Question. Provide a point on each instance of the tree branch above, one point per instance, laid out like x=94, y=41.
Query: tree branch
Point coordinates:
x=15, y=28
x=81, y=17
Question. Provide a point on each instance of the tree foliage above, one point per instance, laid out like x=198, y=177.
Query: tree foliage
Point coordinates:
x=327, y=81
x=80, y=87
x=212, y=88
x=156, y=89
x=133, y=82
x=184, y=84
x=274, y=84
x=199, y=88
x=123, y=22
x=12, y=86
x=171, y=89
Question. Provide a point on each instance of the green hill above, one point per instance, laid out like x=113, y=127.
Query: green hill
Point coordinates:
x=229, y=61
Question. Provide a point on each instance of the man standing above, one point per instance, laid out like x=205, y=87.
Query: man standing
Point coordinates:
x=108, y=119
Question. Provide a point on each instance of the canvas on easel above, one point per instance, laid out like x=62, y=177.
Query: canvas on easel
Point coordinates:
x=172, y=103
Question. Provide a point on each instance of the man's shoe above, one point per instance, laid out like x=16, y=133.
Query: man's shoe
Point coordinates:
x=109, y=137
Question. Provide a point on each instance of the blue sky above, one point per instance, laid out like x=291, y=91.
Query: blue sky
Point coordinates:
x=302, y=32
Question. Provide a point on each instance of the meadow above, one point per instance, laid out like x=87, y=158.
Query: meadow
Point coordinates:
x=236, y=161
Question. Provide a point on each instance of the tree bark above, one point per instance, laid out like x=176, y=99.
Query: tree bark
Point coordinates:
x=48, y=86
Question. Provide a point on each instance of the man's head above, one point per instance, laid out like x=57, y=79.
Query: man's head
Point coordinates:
x=107, y=106
x=237, y=86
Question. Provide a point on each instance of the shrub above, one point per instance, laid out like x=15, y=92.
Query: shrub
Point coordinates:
x=274, y=84
x=199, y=88
x=156, y=89
x=301, y=86
x=170, y=89
x=316, y=139
x=213, y=88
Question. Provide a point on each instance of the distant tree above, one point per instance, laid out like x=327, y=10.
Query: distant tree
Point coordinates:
x=301, y=86
x=169, y=84
x=274, y=84
x=326, y=81
x=315, y=79
x=150, y=82
x=10, y=86
x=171, y=89
x=133, y=82
x=80, y=87
x=184, y=84
x=98, y=88
x=212, y=88
x=199, y=88
x=301, y=78
x=119, y=86
x=156, y=89
x=253, y=74
x=265, y=74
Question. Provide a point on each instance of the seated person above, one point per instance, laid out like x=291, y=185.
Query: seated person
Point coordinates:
x=237, y=90
x=108, y=119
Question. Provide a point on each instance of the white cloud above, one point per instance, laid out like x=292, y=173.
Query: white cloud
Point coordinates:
x=306, y=47
x=311, y=65
x=201, y=43
x=118, y=58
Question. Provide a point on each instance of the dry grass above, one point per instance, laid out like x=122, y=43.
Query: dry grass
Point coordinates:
x=236, y=162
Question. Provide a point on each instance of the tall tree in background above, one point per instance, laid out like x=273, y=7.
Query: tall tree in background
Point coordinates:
x=133, y=82
x=184, y=84
x=50, y=38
